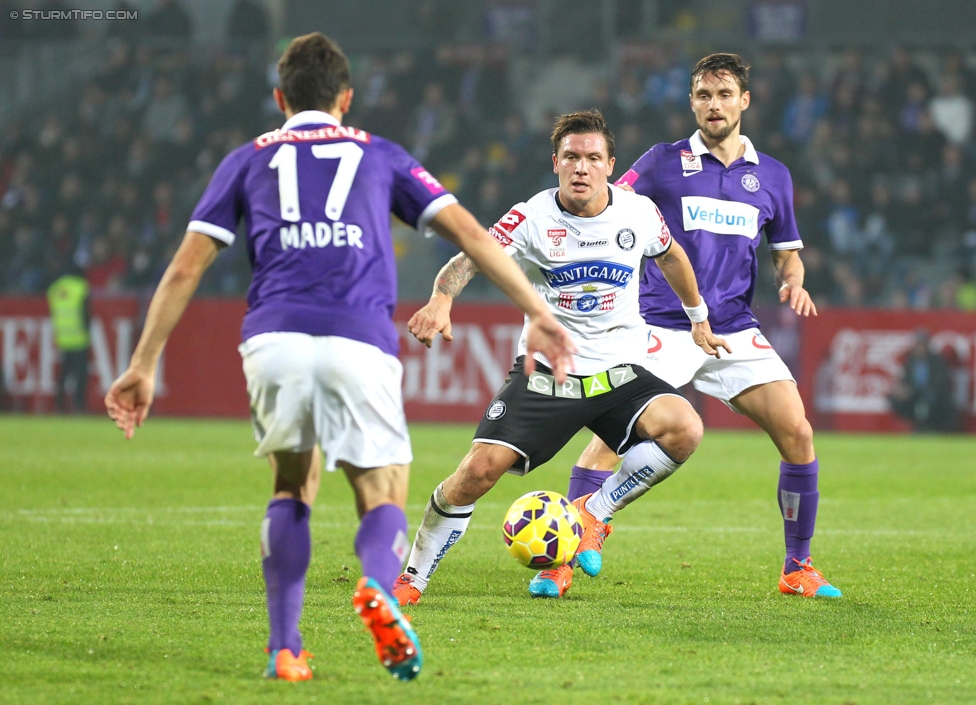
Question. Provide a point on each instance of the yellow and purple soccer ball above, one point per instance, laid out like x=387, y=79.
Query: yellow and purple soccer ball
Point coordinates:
x=542, y=530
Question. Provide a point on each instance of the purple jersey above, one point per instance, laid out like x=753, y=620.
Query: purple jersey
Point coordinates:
x=316, y=202
x=716, y=214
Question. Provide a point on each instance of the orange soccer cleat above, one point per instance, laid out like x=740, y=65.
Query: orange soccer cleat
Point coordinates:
x=589, y=555
x=405, y=591
x=806, y=581
x=284, y=665
x=396, y=642
x=552, y=583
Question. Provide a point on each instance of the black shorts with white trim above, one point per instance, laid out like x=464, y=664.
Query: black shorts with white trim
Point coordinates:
x=536, y=417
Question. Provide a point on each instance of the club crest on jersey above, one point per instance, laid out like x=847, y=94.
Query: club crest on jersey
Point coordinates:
x=587, y=302
x=690, y=162
x=750, y=182
x=626, y=239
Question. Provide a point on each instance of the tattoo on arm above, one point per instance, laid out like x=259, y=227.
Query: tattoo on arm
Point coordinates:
x=455, y=275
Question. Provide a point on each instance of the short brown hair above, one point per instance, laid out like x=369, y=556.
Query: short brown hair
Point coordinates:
x=312, y=73
x=582, y=123
x=717, y=64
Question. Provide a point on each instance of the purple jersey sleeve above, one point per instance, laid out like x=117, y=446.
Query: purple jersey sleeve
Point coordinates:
x=221, y=206
x=780, y=230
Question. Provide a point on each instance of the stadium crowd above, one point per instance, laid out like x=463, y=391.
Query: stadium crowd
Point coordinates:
x=880, y=146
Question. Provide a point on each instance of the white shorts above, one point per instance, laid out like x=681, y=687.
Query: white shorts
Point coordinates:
x=673, y=356
x=340, y=393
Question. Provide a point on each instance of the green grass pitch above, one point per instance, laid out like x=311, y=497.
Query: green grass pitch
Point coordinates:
x=131, y=574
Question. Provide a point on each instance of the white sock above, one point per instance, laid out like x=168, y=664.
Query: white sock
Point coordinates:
x=643, y=466
x=442, y=527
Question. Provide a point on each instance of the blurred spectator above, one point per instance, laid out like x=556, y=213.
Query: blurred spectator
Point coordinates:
x=166, y=108
x=169, y=20
x=248, y=20
x=923, y=395
x=804, y=110
x=952, y=111
x=900, y=72
x=67, y=299
x=434, y=126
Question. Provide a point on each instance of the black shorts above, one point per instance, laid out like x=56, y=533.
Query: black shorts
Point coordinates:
x=535, y=418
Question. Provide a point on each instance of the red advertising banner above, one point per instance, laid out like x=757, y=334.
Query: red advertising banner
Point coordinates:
x=851, y=360
x=846, y=362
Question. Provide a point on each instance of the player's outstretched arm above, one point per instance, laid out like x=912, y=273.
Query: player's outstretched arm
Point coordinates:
x=544, y=334
x=789, y=276
x=130, y=396
x=676, y=268
x=435, y=317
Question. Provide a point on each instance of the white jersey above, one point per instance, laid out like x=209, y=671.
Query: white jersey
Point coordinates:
x=588, y=271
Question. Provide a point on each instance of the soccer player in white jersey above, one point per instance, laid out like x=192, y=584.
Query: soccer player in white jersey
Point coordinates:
x=719, y=196
x=581, y=245
x=319, y=344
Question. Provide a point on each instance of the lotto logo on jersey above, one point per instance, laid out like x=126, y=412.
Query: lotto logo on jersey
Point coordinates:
x=425, y=177
x=511, y=220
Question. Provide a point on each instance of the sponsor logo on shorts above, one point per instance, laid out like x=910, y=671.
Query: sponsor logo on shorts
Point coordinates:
x=496, y=410
x=577, y=388
x=791, y=504
x=653, y=343
x=631, y=482
x=759, y=341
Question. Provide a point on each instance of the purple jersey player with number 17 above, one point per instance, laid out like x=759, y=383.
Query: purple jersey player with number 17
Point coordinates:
x=719, y=196
x=319, y=345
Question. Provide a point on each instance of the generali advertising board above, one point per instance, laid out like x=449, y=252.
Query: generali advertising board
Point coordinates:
x=846, y=361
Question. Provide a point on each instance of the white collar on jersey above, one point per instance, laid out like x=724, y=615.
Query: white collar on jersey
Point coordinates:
x=698, y=147
x=309, y=117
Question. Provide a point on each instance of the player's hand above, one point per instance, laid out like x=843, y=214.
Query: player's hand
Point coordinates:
x=129, y=398
x=432, y=319
x=544, y=334
x=798, y=298
x=702, y=334
x=624, y=186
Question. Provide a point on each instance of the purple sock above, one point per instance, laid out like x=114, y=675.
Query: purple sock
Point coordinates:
x=286, y=548
x=798, y=499
x=381, y=544
x=583, y=481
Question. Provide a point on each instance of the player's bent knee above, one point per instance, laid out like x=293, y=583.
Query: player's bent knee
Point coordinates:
x=481, y=468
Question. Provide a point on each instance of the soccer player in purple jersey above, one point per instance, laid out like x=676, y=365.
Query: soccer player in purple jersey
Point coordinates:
x=718, y=195
x=319, y=345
